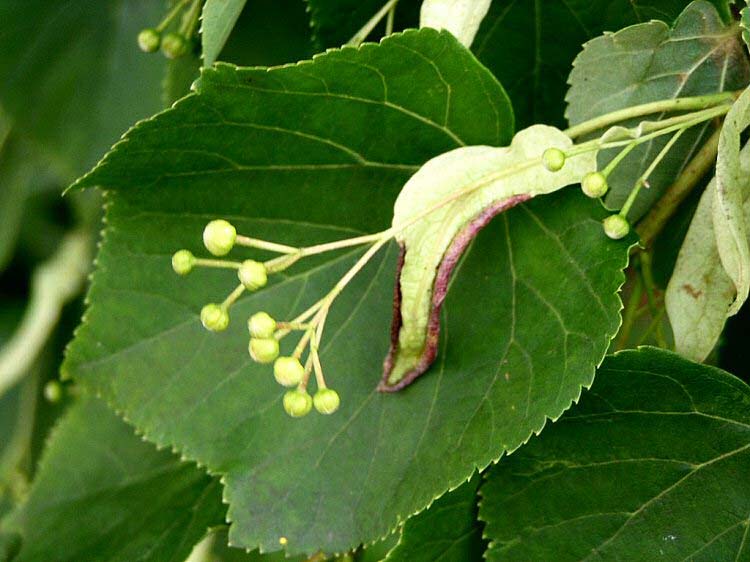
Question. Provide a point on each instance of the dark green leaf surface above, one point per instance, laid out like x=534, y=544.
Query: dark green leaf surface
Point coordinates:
x=649, y=62
x=11, y=403
x=652, y=464
x=305, y=154
x=530, y=44
x=218, y=550
x=102, y=493
x=73, y=76
x=448, y=531
x=17, y=171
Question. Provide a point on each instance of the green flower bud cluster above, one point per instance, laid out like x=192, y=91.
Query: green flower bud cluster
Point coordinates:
x=178, y=42
x=220, y=238
x=287, y=370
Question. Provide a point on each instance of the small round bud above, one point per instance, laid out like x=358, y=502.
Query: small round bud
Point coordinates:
x=326, y=401
x=553, y=159
x=297, y=403
x=174, y=45
x=288, y=371
x=263, y=350
x=219, y=237
x=616, y=226
x=183, y=262
x=594, y=184
x=214, y=317
x=53, y=392
x=261, y=325
x=253, y=275
x=149, y=40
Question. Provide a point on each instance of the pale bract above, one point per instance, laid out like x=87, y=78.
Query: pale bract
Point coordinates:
x=461, y=17
x=463, y=184
x=728, y=216
x=700, y=293
x=217, y=21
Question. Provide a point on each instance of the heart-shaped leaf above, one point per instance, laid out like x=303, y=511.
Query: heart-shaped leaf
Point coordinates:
x=448, y=530
x=652, y=463
x=101, y=493
x=310, y=153
x=73, y=77
x=648, y=62
x=530, y=45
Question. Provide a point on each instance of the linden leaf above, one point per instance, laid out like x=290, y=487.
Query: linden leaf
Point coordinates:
x=448, y=530
x=311, y=153
x=20, y=169
x=73, y=77
x=649, y=62
x=102, y=494
x=530, y=45
x=652, y=463
x=432, y=247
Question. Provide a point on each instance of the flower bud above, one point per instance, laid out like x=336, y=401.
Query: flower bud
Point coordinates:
x=594, y=184
x=297, y=403
x=252, y=275
x=616, y=226
x=183, y=262
x=149, y=40
x=326, y=401
x=263, y=350
x=288, y=371
x=219, y=237
x=53, y=392
x=553, y=159
x=174, y=45
x=214, y=317
x=261, y=325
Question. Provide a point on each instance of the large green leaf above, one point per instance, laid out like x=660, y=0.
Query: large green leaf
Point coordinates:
x=102, y=493
x=315, y=152
x=447, y=531
x=73, y=77
x=651, y=464
x=530, y=45
x=648, y=62
x=17, y=171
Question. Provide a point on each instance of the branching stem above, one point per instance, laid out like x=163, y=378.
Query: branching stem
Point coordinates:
x=665, y=207
x=642, y=181
x=678, y=104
